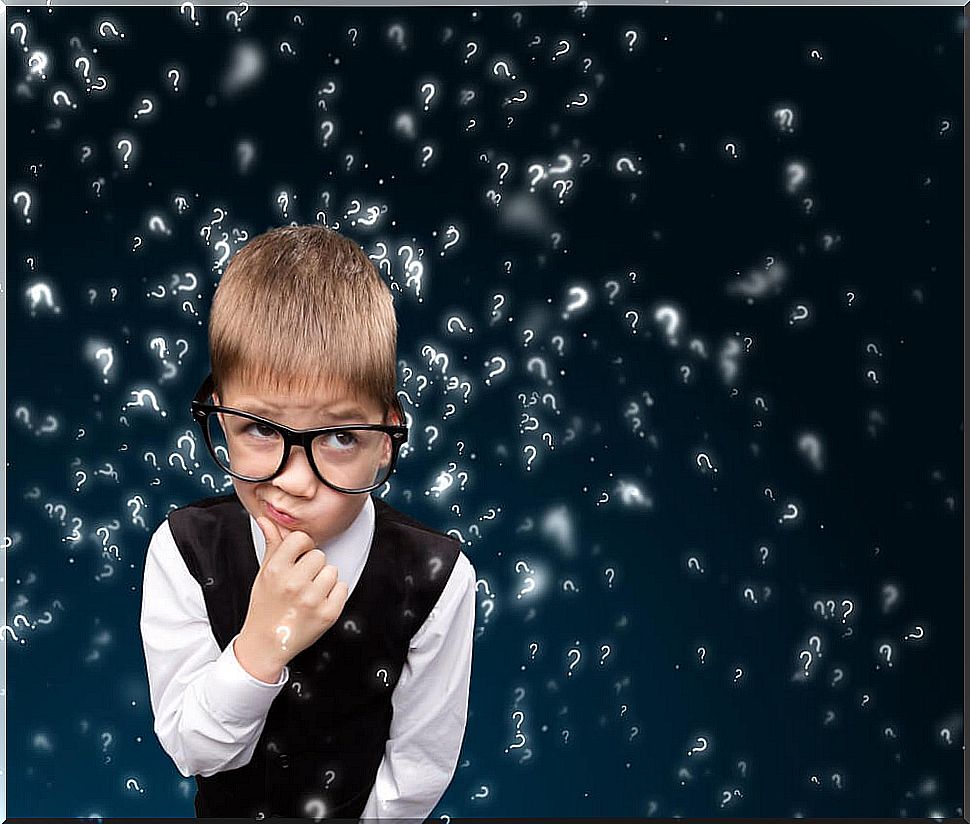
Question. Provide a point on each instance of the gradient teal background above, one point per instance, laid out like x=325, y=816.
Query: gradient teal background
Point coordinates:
x=869, y=128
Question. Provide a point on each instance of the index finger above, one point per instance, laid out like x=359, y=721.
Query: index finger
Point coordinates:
x=290, y=548
x=272, y=535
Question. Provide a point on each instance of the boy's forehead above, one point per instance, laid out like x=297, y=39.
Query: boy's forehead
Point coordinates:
x=323, y=395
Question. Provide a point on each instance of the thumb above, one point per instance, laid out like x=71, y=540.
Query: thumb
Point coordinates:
x=272, y=535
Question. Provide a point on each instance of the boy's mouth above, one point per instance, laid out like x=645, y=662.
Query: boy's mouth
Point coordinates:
x=279, y=516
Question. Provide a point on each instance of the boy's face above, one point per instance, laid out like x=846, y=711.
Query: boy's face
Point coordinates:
x=323, y=513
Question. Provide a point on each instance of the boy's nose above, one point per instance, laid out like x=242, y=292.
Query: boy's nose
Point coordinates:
x=297, y=458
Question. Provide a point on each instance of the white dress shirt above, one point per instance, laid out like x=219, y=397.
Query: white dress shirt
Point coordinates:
x=210, y=712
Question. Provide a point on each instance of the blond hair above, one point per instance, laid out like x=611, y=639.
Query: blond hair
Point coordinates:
x=300, y=308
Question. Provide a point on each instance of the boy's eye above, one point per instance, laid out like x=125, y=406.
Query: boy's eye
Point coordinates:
x=262, y=430
x=345, y=439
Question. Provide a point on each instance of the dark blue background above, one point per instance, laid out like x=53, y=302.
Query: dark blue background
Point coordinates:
x=885, y=510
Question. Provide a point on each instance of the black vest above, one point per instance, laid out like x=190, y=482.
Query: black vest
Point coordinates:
x=325, y=732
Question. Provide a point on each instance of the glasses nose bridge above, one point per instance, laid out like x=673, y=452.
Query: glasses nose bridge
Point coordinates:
x=293, y=439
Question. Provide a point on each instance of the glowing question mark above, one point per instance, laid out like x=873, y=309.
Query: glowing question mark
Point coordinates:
x=127, y=149
x=703, y=746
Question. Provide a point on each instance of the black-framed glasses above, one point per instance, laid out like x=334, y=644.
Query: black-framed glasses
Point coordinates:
x=352, y=458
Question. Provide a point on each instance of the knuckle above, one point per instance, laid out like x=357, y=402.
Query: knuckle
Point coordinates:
x=307, y=601
x=313, y=572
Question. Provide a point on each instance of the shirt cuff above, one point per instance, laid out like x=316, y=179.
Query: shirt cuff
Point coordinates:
x=235, y=694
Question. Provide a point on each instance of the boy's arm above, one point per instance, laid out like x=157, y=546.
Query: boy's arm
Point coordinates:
x=209, y=711
x=430, y=707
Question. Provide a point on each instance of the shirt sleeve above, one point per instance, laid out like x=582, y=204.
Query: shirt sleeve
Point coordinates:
x=209, y=711
x=430, y=702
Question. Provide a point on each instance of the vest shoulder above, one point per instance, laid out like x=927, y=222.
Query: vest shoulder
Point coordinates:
x=205, y=511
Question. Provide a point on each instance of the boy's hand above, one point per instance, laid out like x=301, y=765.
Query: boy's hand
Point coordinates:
x=295, y=598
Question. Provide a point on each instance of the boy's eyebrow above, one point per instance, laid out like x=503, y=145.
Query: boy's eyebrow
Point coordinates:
x=340, y=412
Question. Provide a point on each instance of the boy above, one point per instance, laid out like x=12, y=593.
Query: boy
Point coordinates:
x=308, y=646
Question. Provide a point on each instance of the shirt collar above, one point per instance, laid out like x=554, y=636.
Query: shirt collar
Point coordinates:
x=343, y=549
